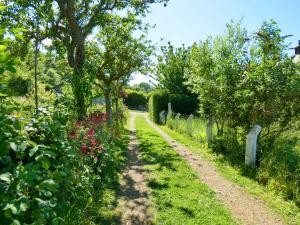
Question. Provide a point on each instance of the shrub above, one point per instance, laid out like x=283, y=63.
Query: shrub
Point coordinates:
x=158, y=101
x=19, y=85
x=136, y=99
x=50, y=173
x=183, y=104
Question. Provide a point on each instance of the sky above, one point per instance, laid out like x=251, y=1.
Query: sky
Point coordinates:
x=189, y=21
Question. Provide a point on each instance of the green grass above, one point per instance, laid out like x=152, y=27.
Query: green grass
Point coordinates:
x=288, y=209
x=198, y=127
x=176, y=192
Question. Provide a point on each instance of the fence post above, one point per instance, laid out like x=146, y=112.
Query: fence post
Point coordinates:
x=209, y=130
x=251, y=145
x=162, y=117
x=169, y=108
x=189, y=125
x=177, y=121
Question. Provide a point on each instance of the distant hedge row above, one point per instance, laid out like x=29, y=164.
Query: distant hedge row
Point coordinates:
x=183, y=104
x=135, y=99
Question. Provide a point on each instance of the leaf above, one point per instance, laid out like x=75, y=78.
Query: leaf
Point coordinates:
x=16, y=222
x=42, y=203
x=18, y=30
x=13, y=146
x=45, y=204
x=4, y=57
x=11, y=69
x=50, y=185
x=3, y=48
x=19, y=36
x=33, y=150
x=90, y=200
x=6, y=177
x=12, y=208
x=24, y=206
x=2, y=7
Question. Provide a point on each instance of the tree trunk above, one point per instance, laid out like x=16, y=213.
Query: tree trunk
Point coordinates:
x=108, y=106
x=117, y=112
x=79, y=95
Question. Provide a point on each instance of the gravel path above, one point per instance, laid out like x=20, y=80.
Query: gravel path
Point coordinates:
x=133, y=203
x=245, y=208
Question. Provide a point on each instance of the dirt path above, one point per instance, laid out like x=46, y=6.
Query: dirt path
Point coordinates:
x=134, y=204
x=245, y=208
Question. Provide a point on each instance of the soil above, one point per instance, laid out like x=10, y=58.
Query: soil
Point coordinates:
x=134, y=205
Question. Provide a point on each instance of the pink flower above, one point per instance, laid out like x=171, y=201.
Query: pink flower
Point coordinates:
x=93, y=142
x=83, y=148
x=91, y=132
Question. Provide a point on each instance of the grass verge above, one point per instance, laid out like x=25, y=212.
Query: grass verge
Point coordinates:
x=178, y=195
x=288, y=209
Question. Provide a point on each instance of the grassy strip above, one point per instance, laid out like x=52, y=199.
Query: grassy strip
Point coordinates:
x=178, y=195
x=104, y=211
x=289, y=211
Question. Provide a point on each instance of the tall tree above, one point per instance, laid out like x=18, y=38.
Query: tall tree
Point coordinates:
x=118, y=52
x=68, y=23
x=170, y=69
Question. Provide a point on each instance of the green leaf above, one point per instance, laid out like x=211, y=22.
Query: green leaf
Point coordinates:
x=1, y=70
x=11, y=207
x=13, y=146
x=2, y=7
x=33, y=150
x=45, y=204
x=2, y=31
x=6, y=177
x=11, y=69
x=16, y=222
x=90, y=200
x=50, y=185
x=18, y=30
x=4, y=57
x=23, y=206
x=19, y=36
x=3, y=48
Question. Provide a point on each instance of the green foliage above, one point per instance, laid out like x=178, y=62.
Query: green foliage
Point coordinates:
x=159, y=100
x=19, y=85
x=43, y=174
x=135, y=99
x=244, y=82
x=171, y=67
x=143, y=86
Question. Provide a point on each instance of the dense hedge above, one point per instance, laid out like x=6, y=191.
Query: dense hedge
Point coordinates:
x=135, y=99
x=183, y=104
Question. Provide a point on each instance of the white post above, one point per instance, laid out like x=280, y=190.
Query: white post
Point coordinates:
x=162, y=117
x=209, y=130
x=177, y=120
x=169, y=108
x=189, y=125
x=251, y=145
